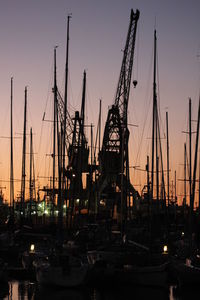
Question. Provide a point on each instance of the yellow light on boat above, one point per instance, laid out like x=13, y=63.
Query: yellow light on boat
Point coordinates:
x=32, y=248
x=182, y=233
x=165, y=249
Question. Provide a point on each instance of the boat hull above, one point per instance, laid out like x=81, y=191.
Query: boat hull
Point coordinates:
x=154, y=276
x=187, y=275
x=58, y=276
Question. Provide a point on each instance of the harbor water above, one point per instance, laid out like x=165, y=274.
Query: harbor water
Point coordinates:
x=27, y=290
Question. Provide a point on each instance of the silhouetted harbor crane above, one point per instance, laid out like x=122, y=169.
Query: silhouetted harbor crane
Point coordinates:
x=114, y=156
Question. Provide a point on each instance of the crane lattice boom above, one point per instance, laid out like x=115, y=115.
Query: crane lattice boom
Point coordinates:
x=123, y=88
x=116, y=131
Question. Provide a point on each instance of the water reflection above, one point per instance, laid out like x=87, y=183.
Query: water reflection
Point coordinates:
x=4, y=290
x=19, y=290
x=26, y=290
x=101, y=294
x=184, y=293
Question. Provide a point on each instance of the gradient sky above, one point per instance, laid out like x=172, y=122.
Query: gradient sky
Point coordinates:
x=29, y=30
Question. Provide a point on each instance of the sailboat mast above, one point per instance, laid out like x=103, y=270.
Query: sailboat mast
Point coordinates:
x=30, y=175
x=11, y=153
x=99, y=136
x=91, y=166
x=157, y=173
x=175, y=196
x=167, y=159
x=23, y=185
x=65, y=107
x=195, y=161
x=163, y=192
x=185, y=158
x=83, y=103
x=122, y=186
x=81, y=140
x=54, y=133
x=190, y=152
x=192, y=196
x=99, y=124
x=154, y=115
x=199, y=187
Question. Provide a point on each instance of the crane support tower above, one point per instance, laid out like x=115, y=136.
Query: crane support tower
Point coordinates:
x=113, y=157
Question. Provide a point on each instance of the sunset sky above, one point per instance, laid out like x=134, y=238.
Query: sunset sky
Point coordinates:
x=29, y=30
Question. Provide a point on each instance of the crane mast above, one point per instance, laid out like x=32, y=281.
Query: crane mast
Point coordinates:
x=117, y=115
x=113, y=157
x=123, y=88
x=78, y=149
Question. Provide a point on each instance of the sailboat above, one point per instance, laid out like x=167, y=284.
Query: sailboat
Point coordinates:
x=187, y=268
x=62, y=271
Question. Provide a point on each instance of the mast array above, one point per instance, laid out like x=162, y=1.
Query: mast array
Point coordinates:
x=156, y=158
x=83, y=179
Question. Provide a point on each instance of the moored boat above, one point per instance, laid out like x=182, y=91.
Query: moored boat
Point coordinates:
x=63, y=271
x=152, y=275
x=132, y=264
x=187, y=272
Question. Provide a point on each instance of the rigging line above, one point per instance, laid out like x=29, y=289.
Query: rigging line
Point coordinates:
x=18, y=114
x=41, y=141
x=146, y=107
x=186, y=121
x=49, y=92
x=143, y=130
x=70, y=106
x=138, y=52
x=77, y=101
x=96, y=140
x=88, y=103
x=6, y=118
x=4, y=121
x=29, y=114
x=71, y=103
x=34, y=180
x=48, y=168
x=160, y=146
x=39, y=145
x=187, y=162
x=50, y=84
x=70, y=98
x=158, y=93
x=133, y=140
